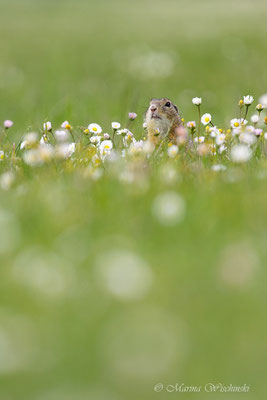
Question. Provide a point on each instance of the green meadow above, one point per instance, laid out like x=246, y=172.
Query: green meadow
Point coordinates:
x=103, y=293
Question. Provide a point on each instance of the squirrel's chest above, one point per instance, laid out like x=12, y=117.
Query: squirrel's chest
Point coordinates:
x=157, y=129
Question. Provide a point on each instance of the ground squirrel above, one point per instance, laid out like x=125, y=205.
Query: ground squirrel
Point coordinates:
x=163, y=121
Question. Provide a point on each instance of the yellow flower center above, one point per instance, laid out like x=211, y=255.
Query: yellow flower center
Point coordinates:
x=107, y=146
x=68, y=126
x=207, y=119
x=94, y=129
x=236, y=124
x=86, y=131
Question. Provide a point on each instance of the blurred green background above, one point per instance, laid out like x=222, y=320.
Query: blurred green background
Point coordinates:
x=199, y=313
x=95, y=61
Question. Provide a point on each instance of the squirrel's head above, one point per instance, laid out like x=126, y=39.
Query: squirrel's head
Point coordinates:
x=161, y=115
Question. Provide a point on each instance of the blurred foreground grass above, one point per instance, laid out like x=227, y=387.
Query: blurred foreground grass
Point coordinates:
x=197, y=314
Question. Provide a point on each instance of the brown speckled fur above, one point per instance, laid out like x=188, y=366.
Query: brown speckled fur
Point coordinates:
x=166, y=121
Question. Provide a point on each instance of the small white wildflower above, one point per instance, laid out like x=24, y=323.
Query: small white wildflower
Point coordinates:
x=241, y=153
x=106, y=146
x=191, y=124
x=250, y=129
x=106, y=136
x=123, y=132
x=72, y=148
x=47, y=126
x=248, y=100
x=8, y=123
x=197, y=101
x=144, y=125
x=258, y=132
x=205, y=119
x=95, y=140
x=115, y=125
x=62, y=135
x=95, y=128
x=220, y=139
x=199, y=139
x=235, y=123
x=247, y=138
x=136, y=146
x=173, y=151
x=132, y=115
x=255, y=119
x=66, y=125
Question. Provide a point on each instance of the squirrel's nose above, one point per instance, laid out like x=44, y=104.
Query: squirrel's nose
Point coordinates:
x=153, y=108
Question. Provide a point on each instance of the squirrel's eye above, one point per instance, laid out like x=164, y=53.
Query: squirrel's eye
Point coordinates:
x=168, y=104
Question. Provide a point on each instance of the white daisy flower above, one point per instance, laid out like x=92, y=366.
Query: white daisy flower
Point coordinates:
x=255, y=119
x=62, y=135
x=47, y=126
x=199, y=139
x=191, y=124
x=197, y=101
x=205, y=119
x=65, y=125
x=106, y=146
x=95, y=129
x=95, y=140
x=241, y=153
x=220, y=139
x=248, y=100
x=136, y=146
x=237, y=123
x=173, y=151
x=247, y=138
x=115, y=125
